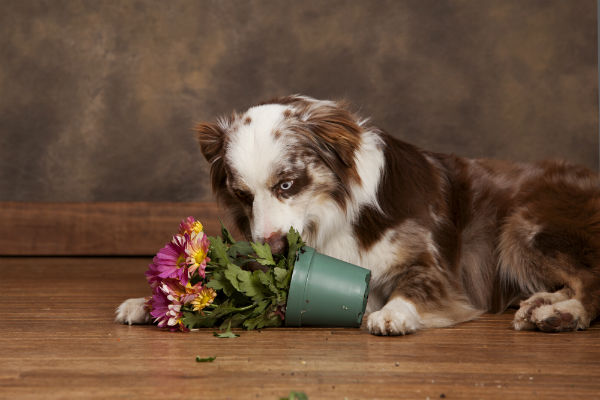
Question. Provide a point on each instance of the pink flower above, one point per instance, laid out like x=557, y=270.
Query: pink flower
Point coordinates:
x=167, y=301
x=170, y=272
x=159, y=307
x=170, y=262
x=196, y=250
x=190, y=226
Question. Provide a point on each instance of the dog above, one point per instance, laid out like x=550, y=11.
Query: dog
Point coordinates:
x=446, y=238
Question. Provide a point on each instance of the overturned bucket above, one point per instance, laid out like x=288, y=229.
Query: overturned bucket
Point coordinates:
x=325, y=291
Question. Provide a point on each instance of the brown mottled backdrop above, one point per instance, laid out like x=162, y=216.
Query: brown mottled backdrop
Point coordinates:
x=98, y=98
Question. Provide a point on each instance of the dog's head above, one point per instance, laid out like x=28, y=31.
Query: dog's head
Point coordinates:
x=287, y=162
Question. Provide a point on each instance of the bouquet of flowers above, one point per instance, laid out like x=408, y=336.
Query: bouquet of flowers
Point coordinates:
x=201, y=282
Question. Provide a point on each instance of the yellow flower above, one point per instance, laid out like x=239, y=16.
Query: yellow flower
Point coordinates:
x=197, y=227
x=205, y=297
x=196, y=250
x=190, y=226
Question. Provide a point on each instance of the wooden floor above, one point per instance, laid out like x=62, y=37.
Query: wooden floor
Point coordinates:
x=58, y=340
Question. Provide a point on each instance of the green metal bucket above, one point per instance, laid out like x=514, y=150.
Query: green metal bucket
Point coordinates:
x=325, y=291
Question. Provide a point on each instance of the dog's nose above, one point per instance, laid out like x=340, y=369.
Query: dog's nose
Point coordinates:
x=278, y=242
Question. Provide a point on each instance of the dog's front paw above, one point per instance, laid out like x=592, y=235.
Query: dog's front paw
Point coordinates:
x=132, y=311
x=397, y=317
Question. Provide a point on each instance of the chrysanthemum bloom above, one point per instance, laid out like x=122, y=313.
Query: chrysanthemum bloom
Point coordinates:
x=205, y=297
x=170, y=262
x=161, y=308
x=174, y=316
x=190, y=226
x=167, y=300
x=170, y=272
x=189, y=293
x=169, y=297
x=196, y=249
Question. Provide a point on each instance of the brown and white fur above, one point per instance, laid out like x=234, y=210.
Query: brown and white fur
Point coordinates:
x=446, y=238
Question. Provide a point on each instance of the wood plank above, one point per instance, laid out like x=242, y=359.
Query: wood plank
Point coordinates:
x=59, y=341
x=113, y=228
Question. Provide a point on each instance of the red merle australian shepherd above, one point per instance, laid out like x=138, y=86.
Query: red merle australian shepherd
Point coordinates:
x=446, y=238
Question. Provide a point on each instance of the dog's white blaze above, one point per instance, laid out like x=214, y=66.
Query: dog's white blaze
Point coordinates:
x=271, y=215
x=252, y=148
x=253, y=152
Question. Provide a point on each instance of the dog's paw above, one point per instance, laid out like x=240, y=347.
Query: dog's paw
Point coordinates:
x=132, y=311
x=522, y=320
x=564, y=316
x=397, y=317
x=551, y=312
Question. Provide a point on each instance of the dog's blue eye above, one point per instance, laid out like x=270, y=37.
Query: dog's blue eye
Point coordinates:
x=286, y=185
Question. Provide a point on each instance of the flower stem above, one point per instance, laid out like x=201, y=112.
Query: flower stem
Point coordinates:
x=246, y=308
x=233, y=309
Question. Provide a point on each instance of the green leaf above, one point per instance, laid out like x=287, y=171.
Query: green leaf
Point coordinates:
x=232, y=274
x=194, y=320
x=245, y=282
x=282, y=263
x=294, y=244
x=280, y=276
x=240, y=249
x=219, y=281
x=257, y=322
x=268, y=281
x=264, y=316
x=228, y=334
x=263, y=253
x=226, y=235
x=225, y=335
x=256, y=319
x=237, y=319
x=254, y=323
x=251, y=285
x=207, y=359
x=218, y=250
x=227, y=308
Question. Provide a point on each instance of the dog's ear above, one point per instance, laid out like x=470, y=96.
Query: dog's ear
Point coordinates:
x=335, y=134
x=212, y=140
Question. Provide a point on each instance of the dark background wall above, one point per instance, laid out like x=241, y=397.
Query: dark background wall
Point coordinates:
x=98, y=98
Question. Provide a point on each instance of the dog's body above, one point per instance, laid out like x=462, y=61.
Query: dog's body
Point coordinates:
x=446, y=238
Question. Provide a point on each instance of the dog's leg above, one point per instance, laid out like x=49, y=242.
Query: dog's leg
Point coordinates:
x=132, y=311
x=423, y=298
x=552, y=257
